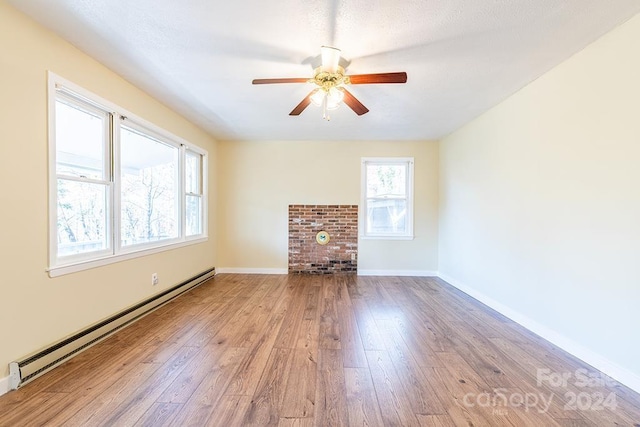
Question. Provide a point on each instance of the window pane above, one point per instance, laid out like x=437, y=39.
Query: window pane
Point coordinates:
x=386, y=216
x=149, y=189
x=194, y=214
x=82, y=217
x=386, y=180
x=80, y=141
x=193, y=175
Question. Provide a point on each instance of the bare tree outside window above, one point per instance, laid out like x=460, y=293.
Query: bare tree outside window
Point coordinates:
x=149, y=189
x=81, y=217
x=82, y=190
x=387, y=197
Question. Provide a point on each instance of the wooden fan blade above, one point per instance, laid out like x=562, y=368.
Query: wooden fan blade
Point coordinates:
x=353, y=103
x=283, y=80
x=360, y=79
x=303, y=104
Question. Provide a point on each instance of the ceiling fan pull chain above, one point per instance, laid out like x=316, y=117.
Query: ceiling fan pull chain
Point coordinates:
x=324, y=108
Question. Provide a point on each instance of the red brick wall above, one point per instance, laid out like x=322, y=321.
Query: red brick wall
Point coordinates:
x=337, y=256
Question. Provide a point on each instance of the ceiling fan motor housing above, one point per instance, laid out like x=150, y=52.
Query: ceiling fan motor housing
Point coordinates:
x=326, y=80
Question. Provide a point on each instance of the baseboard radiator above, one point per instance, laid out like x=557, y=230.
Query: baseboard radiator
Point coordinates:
x=32, y=366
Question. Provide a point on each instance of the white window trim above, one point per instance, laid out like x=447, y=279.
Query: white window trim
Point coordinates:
x=61, y=270
x=201, y=194
x=409, y=161
x=134, y=124
x=115, y=253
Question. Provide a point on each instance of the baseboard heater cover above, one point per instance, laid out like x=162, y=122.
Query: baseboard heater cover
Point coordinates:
x=32, y=366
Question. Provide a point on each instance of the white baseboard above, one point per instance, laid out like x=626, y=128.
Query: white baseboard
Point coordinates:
x=5, y=386
x=252, y=270
x=240, y=270
x=613, y=370
x=415, y=273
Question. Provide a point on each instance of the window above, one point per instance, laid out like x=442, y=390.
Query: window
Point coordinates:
x=387, y=198
x=193, y=194
x=120, y=187
x=82, y=177
x=149, y=201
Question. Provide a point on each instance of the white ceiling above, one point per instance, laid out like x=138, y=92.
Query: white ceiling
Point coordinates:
x=199, y=56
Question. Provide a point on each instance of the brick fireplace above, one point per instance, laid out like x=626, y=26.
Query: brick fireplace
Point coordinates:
x=339, y=254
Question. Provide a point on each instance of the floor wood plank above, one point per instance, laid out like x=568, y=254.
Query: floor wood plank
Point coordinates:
x=362, y=402
x=417, y=386
x=299, y=396
x=330, y=398
x=264, y=408
x=394, y=402
x=203, y=401
x=330, y=350
x=146, y=395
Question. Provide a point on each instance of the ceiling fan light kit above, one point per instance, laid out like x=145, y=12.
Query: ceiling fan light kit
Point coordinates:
x=330, y=79
x=327, y=99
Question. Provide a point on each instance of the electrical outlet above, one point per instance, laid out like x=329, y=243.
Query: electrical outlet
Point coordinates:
x=353, y=257
x=154, y=279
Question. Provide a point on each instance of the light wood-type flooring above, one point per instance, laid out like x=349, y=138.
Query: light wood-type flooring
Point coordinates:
x=328, y=350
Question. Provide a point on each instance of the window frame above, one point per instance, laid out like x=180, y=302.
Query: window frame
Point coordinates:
x=106, y=180
x=132, y=124
x=202, y=188
x=115, y=251
x=408, y=163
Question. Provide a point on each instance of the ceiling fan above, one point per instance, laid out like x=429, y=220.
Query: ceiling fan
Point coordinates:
x=330, y=80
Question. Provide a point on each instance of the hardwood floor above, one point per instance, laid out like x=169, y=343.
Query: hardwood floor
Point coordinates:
x=322, y=350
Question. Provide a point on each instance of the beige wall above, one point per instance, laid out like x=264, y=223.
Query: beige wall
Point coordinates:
x=540, y=204
x=36, y=309
x=258, y=180
x=539, y=201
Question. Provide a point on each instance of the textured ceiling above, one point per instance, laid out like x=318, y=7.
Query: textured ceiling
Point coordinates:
x=199, y=56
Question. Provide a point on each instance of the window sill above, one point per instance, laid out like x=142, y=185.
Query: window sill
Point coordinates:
x=77, y=266
x=385, y=237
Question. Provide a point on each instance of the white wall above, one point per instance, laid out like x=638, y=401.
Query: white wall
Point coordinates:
x=259, y=180
x=540, y=204
x=37, y=310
